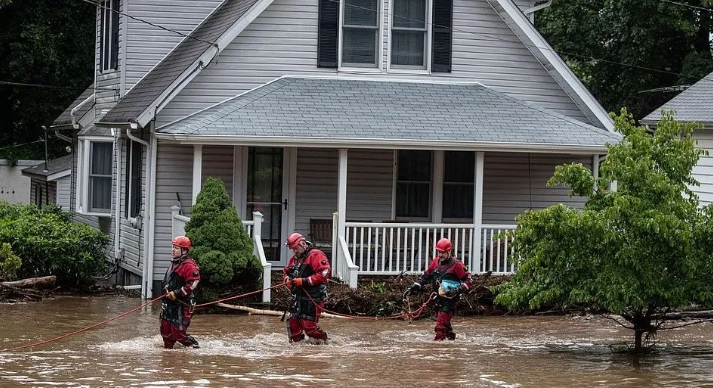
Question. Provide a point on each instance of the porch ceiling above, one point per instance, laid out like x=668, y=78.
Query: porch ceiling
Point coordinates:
x=353, y=111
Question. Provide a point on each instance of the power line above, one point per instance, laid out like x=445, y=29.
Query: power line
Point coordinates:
x=23, y=144
x=688, y=6
x=151, y=24
x=45, y=86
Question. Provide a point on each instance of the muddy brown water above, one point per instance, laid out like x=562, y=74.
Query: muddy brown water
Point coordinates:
x=252, y=351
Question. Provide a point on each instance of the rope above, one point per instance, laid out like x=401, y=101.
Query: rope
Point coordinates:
x=81, y=330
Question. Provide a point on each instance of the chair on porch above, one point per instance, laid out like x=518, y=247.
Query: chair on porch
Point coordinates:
x=320, y=234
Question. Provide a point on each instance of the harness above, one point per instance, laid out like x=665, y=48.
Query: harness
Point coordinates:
x=301, y=305
x=172, y=310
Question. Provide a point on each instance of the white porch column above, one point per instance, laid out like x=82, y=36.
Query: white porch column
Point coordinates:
x=595, y=166
x=341, y=201
x=240, y=172
x=438, y=172
x=197, y=170
x=478, y=213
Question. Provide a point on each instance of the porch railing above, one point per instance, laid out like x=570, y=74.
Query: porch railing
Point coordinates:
x=394, y=248
x=342, y=263
x=254, y=229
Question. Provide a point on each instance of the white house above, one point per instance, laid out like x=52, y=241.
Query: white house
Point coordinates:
x=375, y=126
x=695, y=104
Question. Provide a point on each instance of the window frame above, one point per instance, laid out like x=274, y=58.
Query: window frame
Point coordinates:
x=132, y=183
x=354, y=67
x=108, y=35
x=84, y=183
x=428, y=44
x=396, y=182
x=462, y=184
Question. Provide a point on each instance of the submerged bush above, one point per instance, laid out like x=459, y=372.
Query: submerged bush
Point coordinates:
x=50, y=243
x=10, y=263
x=220, y=244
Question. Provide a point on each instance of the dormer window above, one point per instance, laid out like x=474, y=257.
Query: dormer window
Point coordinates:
x=109, y=35
x=360, y=33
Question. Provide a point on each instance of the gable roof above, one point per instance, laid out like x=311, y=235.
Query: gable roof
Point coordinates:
x=56, y=168
x=334, y=111
x=65, y=118
x=538, y=46
x=190, y=56
x=694, y=104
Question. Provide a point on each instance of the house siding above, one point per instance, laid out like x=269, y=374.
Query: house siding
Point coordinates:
x=146, y=45
x=64, y=187
x=174, y=169
x=131, y=237
x=510, y=187
x=703, y=171
x=283, y=41
x=47, y=192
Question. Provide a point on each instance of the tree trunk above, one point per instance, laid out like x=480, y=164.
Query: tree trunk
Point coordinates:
x=40, y=283
x=638, y=333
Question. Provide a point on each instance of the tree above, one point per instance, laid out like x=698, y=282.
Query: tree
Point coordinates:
x=637, y=251
x=219, y=242
x=595, y=36
x=48, y=43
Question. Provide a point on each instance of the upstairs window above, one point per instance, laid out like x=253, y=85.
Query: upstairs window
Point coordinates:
x=413, y=184
x=360, y=33
x=109, y=35
x=409, y=34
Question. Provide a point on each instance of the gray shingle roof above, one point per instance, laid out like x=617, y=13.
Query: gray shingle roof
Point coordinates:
x=145, y=92
x=693, y=104
x=348, y=109
x=53, y=166
x=66, y=118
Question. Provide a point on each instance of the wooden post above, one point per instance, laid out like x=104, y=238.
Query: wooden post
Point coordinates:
x=197, y=170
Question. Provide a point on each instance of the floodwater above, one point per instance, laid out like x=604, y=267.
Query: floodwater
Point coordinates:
x=252, y=351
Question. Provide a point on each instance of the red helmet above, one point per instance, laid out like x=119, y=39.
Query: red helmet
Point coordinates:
x=444, y=245
x=294, y=240
x=182, y=241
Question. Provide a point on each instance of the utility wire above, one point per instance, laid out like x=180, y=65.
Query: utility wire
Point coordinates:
x=498, y=38
x=688, y=6
x=151, y=24
x=11, y=83
x=23, y=144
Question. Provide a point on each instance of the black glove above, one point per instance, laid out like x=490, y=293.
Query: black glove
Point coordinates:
x=456, y=291
x=412, y=290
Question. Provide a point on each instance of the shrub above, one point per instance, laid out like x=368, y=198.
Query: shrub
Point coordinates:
x=220, y=244
x=50, y=243
x=9, y=262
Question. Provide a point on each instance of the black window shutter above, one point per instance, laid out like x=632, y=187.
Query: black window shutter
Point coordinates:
x=442, y=36
x=327, y=35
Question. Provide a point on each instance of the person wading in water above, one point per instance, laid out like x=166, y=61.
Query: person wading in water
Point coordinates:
x=180, y=282
x=449, y=277
x=306, y=276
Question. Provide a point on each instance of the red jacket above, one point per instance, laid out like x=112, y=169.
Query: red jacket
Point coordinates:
x=182, y=277
x=313, y=267
x=451, y=269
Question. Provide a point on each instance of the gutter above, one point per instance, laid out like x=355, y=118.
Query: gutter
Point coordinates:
x=538, y=7
x=147, y=218
x=147, y=281
x=76, y=108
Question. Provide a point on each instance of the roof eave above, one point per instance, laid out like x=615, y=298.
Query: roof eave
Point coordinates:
x=314, y=142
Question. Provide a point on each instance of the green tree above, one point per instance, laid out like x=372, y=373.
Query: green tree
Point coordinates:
x=636, y=251
x=642, y=34
x=41, y=42
x=219, y=243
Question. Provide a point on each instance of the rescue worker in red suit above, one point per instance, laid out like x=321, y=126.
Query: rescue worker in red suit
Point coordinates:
x=444, y=270
x=180, y=282
x=306, y=275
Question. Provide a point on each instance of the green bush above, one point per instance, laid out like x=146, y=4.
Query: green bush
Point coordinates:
x=220, y=244
x=10, y=263
x=50, y=243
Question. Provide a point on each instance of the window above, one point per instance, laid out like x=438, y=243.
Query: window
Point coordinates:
x=360, y=33
x=132, y=199
x=413, y=184
x=458, y=185
x=99, y=177
x=409, y=34
x=109, y=39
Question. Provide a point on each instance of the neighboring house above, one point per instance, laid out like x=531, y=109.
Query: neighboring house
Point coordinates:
x=14, y=186
x=375, y=126
x=51, y=182
x=695, y=104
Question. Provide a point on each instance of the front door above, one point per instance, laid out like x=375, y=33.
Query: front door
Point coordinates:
x=266, y=193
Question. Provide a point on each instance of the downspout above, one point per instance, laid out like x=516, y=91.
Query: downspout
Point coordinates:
x=147, y=291
x=76, y=108
x=147, y=182
x=117, y=207
x=537, y=7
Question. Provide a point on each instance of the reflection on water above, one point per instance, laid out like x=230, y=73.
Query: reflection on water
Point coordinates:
x=253, y=351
